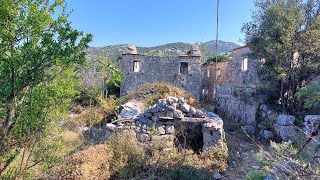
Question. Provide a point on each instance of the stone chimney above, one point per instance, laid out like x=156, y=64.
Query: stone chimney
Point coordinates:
x=195, y=50
x=131, y=49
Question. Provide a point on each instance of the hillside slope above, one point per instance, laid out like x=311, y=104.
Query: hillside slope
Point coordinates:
x=178, y=48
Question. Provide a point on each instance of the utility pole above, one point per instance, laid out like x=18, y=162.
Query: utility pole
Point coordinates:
x=215, y=64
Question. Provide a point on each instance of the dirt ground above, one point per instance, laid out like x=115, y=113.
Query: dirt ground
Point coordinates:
x=241, y=152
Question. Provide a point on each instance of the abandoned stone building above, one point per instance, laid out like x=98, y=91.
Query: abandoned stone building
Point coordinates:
x=232, y=87
x=180, y=71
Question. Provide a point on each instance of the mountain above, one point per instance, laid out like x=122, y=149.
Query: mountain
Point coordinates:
x=171, y=49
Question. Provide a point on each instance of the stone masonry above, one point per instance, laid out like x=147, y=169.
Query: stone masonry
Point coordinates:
x=209, y=79
x=180, y=71
x=158, y=124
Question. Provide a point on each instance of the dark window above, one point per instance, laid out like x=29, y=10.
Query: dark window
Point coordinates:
x=183, y=68
x=136, y=66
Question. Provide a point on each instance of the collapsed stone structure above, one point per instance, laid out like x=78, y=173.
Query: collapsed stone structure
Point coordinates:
x=161, y=123
x=181, y=71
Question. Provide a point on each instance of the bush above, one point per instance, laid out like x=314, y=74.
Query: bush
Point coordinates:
x=128, y=157
x=254, y=175
x=219, y=58
x=90, y=163
x=150, y=93
x=310, y=96
x=110, y=105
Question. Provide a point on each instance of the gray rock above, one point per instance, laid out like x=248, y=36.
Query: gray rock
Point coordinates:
x=150, y=122
x=195, y=50
x=130, y=109
x=250, y=129
x=131, y=49
x=285, y=132
x=170, y=101
x=154, y=118
x=171, y=107
x=161, y=129
x=138, y=123
x=111, y=127
x=169, y=114
x=143, y=120
x=174, y=99
x=272, y=115
x=285, y=120
x=312, y=118
x=147, y=115
x=169, y=129
x=142, y=137
x=185, y=107
x=216, y=176
x=177, y=114
x=199, y=114
x=154, y=110
x=193, y=110
x=264, y=107
x=159, y=114
x=266, y=134
x=181, y=100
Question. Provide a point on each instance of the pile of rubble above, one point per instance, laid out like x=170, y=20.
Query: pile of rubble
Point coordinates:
x=157, y=124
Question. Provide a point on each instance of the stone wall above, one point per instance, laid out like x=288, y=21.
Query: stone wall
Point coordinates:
x=238, y=105
x=239, y=76
x=158, y=125
x=209, y=79
x=161, y=69
x=236, y=97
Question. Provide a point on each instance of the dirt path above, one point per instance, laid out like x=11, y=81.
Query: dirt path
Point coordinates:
x=241, y=153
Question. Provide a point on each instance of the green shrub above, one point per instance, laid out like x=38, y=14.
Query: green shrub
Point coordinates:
x=219, y=58
x=310, y=96
x=255, y=175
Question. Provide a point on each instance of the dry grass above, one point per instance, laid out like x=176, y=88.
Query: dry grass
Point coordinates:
x=90, y=163
x=123, y=158
x=150, y=93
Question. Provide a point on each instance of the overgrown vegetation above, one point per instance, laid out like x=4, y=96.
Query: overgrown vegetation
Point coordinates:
x=310, y=97
x=123, y=158
x=39, y=52
x=285, y=35
x=286, y=163
x=150, y=93
x=218, y=58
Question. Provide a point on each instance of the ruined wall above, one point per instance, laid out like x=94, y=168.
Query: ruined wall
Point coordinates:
x=162, y=124
x=238, y=105
x=162, y=69
x=236, y=96
x=209, y=79
x=238, y=76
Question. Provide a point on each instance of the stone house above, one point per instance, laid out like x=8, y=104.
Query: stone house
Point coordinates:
x=180, y=71
x=233, y=90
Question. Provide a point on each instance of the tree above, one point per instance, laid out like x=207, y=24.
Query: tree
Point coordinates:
x=285, y=34
x=39, y=49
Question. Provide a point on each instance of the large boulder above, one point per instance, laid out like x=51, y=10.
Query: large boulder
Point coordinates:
x=131, y=109
x=285, y=120
x=286, y=132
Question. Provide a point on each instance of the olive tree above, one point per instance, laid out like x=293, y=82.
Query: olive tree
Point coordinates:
x=38, y=52
x=286, y=35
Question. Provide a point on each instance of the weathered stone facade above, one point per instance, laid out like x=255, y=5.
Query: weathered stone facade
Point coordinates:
x=235, y=96
x=209, y=79
x=243, y=72
x=180, y=71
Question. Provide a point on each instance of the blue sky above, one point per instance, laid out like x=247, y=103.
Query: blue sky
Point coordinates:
x=155, y=22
